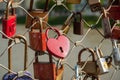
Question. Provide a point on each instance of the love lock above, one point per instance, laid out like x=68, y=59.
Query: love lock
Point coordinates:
x=9, y=22
x=59, y=46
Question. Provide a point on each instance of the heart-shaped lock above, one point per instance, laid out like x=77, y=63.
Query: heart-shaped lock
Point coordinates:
x=59, y=47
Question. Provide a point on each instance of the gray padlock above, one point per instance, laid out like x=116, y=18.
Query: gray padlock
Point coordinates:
x=116, y=53
x=101, y=62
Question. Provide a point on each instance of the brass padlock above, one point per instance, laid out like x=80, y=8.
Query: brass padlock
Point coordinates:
x=90, y=67
x=78, y=24
x=95, y=5
x=37, y=12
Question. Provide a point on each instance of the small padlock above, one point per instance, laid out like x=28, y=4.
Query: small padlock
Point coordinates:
x=73, y=1
x=90, y=67
x=44, y=70
x=21, y=75
x=95, y=5
x=78, y=24
x=9, y=21
x=58, y=46
x=37, y=12
x=116, y=53
x=106, y=25
x=101, y=62
x=37, y=38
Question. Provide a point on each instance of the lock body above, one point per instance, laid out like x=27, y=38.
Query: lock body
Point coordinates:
x=95, y=5
x=78, y=24
x=103, y=65
x=37, y=41
x=116, y=56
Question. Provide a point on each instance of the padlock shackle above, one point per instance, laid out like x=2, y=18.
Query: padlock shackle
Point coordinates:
x=53, y=29
x=40, y=21
x=89, y=50
x=45, y=8
x=37, y=53
x=76, y=14
x=10, y=51
x=7, y=9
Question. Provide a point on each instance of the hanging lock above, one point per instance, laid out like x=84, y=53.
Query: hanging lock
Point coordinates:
x=106, y=25
x=9, y=21
x=78, y=24
x=37, y=38
x=116, y=53
x=101, y=62
x=95, y=5
x=37, y=12
x=58, y=46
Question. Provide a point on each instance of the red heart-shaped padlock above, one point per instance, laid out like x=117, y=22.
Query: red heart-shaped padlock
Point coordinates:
x=59, y=46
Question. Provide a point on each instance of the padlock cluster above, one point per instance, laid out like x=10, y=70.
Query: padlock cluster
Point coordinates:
x=58, y=45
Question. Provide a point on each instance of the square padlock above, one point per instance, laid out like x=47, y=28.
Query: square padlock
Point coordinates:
x=9, y=26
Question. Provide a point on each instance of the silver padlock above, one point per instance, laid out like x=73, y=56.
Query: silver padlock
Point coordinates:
x=95, y=5
x=102, y=62
x=116, y=53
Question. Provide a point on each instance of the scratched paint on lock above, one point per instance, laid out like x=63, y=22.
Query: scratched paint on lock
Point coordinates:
x=59, y=47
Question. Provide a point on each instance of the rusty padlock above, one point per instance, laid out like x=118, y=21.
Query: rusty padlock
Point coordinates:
x=37, y=38
x=58, y=46
x=23, y=74
x=78, y=24
x=73, y=1
x=106, y=25
x=9, y=21
x=36, y=12
x=90, y=67
x=95, y=5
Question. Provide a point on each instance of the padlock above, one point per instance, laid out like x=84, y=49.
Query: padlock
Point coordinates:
x=114, y=12
x=37, y=38
x=90, y=67
x=106, y=25
x=9, y=21
x=37, y=12
x=116, y=53
x=59, y=46
x=73, y=1
x=78, y=24
x=21, y=75
x=95, y=5
x=101, y=61
x=66, y=26
x=46, y=70
x=116, y=33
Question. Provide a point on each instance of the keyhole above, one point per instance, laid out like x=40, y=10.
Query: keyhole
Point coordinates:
x=61, y=49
